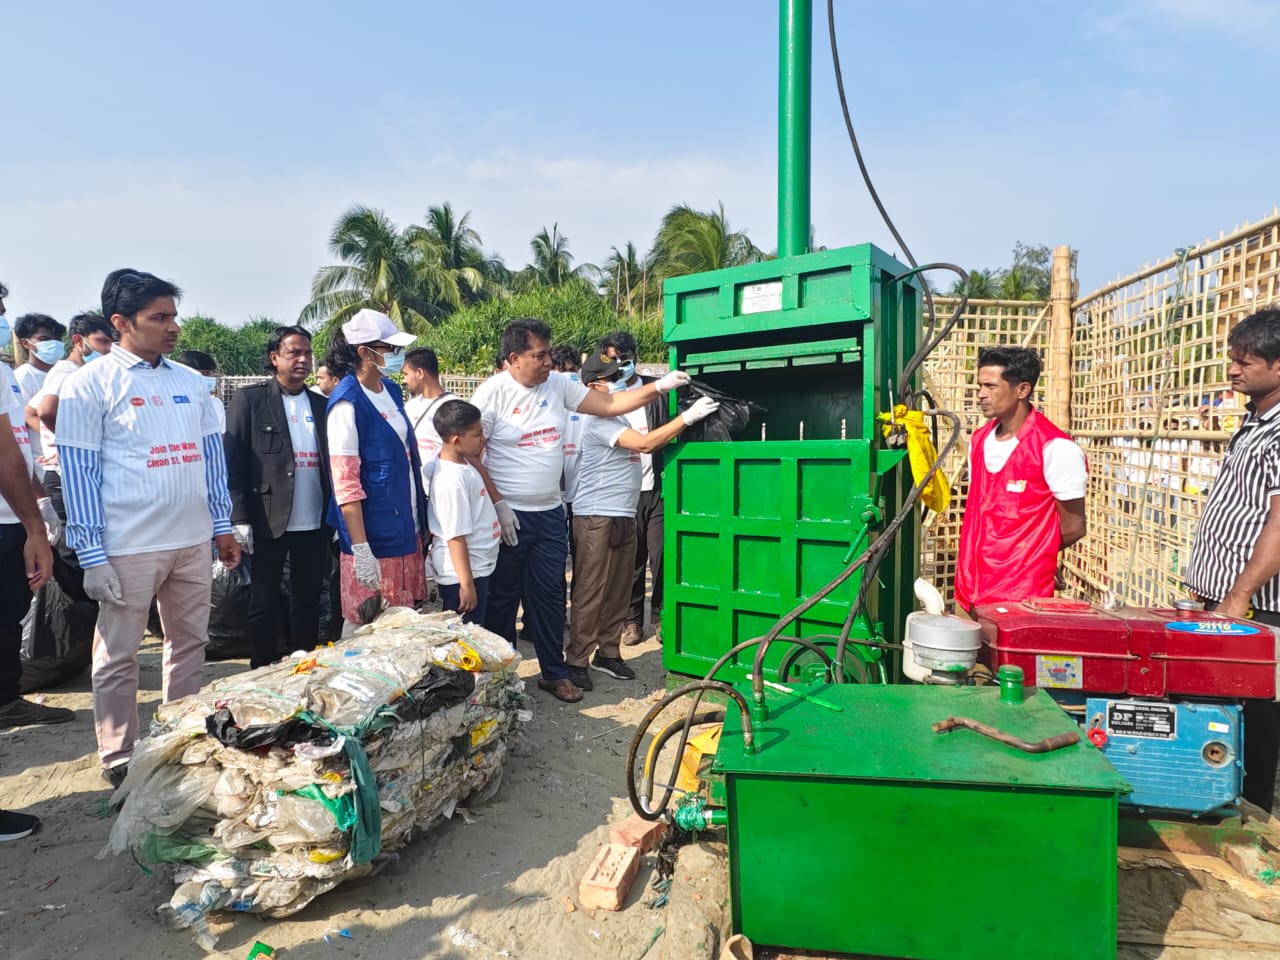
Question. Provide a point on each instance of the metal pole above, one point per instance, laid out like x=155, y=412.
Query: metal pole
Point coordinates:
x=795, y=49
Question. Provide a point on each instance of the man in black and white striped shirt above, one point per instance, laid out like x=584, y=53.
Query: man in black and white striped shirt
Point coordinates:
x=1235, y=558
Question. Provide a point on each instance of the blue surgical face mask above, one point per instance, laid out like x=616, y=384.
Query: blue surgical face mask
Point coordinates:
x=628, y=370
x=392, y=362
x=50, y=351
x=89, y=354
x=617, y=386
x=6, y=332
x=211, y=383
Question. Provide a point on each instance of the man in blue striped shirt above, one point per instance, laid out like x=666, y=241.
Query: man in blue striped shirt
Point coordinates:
x=145, y=485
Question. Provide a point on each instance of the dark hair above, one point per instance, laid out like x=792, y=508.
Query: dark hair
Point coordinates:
x=1258, y=335
x=277, y=339
x=4, y=291
x=423, y=358
x=621, y=341
x=342, y=357
x=83, y=324
x=498, y=360
x=29, y=324
x=565, y=357
x=1021, y=364
x=127, y=291
x=454, y=417
x=196, y=360
x=518, y=334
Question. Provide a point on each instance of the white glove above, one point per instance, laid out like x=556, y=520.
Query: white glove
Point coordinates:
x=672, y=381
x=702, y=408
x=368, y=572
x=243, y=533
x=510, y=523
x=52, y=525
x=102, y=584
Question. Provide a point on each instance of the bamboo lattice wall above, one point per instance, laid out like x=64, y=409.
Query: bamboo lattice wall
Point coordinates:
x=1149, y=404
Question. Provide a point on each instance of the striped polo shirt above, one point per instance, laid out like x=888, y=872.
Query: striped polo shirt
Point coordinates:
x=1236, y=511
x=143, y=466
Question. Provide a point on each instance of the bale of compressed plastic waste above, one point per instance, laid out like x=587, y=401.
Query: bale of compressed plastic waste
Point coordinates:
x=270, y=787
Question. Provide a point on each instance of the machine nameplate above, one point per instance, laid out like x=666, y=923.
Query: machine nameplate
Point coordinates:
x=1213, y=628
x=762, y=297
x=1061, y=673
x=1151, y=721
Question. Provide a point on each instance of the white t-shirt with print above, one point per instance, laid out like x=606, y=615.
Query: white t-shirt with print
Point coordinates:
x=1065, y=470
x=608, y=475
x=53, y=381
x=640, y=424
x=308, y=501
x=344, y=438
x=11, y=402
x=421, y=413
x=524, y=427
x=459, y=506
x=572, y=447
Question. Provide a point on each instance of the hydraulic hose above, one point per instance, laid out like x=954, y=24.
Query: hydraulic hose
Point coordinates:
x=669, y=731
x=639, y=803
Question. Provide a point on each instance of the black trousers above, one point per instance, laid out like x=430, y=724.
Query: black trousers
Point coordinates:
x=15, y=598
x=648, y=554
x=308, y=554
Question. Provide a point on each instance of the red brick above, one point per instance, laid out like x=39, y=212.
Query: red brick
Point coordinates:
x=608, y=880
x=635, y=831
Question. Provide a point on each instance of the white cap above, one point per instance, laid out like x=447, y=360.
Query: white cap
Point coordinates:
x=370, y=326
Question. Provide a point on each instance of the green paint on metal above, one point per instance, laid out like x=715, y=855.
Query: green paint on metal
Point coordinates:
x=795, y=49
x=1010, y=678
x=967, y=849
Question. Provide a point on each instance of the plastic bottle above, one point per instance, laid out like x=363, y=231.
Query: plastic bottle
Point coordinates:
x=191, y=905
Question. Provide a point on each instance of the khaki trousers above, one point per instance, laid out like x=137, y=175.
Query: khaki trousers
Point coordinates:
x=180, y=580
x=603, y=562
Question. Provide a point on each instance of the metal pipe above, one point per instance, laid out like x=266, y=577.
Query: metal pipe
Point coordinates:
x=1000, y=736
x=795, y=77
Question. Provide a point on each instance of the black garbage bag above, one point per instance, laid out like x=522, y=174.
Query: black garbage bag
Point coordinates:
x=229, y=614
x=222, y=726
x=440, y=688
x=727, y=423
x=57, y=633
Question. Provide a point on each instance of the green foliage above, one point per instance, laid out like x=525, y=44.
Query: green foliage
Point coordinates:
x=468, y=341
x=239, y=351
x=691, y=241
x=1027, y=278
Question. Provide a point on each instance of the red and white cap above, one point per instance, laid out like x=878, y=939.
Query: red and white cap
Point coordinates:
x=370, y=326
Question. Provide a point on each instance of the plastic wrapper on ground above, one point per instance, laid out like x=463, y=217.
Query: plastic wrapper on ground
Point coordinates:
x=270, y=787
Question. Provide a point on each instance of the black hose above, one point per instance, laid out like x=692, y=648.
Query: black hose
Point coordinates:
x=669, y=731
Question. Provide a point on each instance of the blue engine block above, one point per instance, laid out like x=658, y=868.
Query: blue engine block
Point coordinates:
x=1183, y=757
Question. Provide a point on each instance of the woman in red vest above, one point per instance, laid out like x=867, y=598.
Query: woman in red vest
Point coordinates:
x=1027, y=483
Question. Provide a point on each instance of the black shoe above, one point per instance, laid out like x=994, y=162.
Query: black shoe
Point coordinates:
x=15, y=826
x=24, y=713
x=613, y=666
x=581, y=679
x=115, y=775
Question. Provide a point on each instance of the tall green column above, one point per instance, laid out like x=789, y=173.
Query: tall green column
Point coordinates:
x=795, y=58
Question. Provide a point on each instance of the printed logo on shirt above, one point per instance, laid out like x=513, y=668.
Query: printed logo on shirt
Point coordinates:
x=542, y=403
x=1016, y=486
x=181, y=398
x=310, y=419
x=173, y=455
x=306, y=459
x=137, y=401
x=157, y=401
x=515, y=411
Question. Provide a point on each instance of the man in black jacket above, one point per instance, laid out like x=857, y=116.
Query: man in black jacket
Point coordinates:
x=621, y=346
x=277, y=472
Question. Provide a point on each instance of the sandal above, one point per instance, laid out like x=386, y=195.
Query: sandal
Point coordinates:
x=564, y=690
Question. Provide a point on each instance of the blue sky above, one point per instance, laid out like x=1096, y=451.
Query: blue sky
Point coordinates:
x=217, y=144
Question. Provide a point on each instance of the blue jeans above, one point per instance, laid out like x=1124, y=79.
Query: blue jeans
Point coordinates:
x=532, y=573
x=451, y=593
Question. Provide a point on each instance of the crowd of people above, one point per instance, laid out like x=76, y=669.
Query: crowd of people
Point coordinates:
x=120, y=456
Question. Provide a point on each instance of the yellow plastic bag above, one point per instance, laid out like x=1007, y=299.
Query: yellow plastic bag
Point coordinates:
x=920, y=453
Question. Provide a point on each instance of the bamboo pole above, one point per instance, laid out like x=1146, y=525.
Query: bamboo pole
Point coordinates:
x=1059, y=386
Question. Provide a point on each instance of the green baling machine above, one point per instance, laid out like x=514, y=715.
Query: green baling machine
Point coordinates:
x=873, y=817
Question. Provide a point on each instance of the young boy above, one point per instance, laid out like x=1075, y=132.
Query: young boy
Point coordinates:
x=464, y=524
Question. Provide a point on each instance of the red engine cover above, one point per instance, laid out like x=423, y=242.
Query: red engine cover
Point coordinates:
x=1068, y=644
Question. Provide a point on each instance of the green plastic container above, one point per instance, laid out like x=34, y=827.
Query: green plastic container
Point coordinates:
x=865, y=832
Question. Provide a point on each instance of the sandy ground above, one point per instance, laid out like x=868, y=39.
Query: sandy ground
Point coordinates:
x=503, y=886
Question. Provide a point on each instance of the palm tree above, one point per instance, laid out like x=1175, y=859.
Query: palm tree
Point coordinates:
x=552, y=264
x=982, y=285
x=398, y=273
x=623, y=278
x=690, y=241
x=452, y=240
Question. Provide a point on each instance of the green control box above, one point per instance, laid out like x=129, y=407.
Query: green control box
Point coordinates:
x=756, y=525
x=860, y=830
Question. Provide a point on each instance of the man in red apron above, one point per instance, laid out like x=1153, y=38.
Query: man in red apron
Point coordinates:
x=1027, y=483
